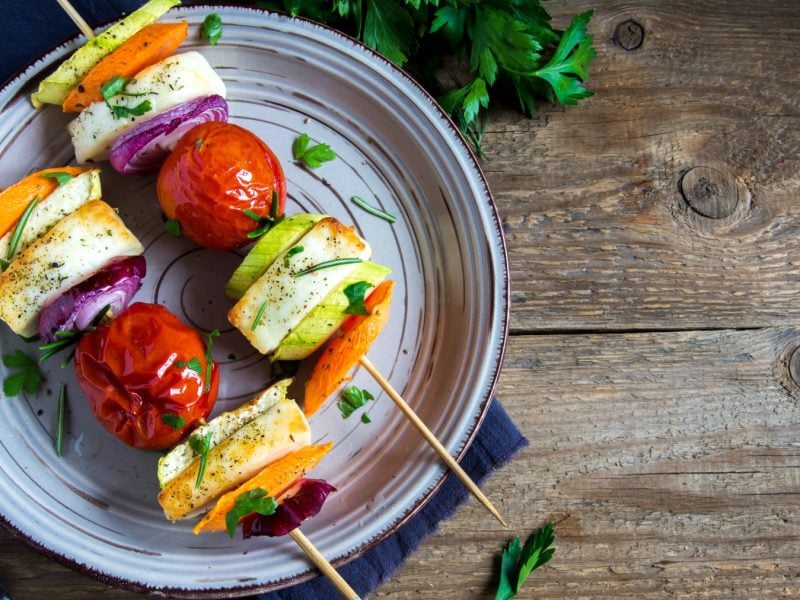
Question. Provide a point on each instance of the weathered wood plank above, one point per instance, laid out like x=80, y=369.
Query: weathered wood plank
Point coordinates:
x=600, y=236
x=670, y=463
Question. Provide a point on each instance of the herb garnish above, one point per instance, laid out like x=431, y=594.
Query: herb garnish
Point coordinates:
x=356, y=292
x=201, y=445
x=173, y=227
x=373, y=210
x=312, y=156
x=365, y=418
x=251, y=501
x=290, y=253
x=70, y=338
x=327, y=264
x=116, y=87
x=17, y=235
x=29, y=378
x=209, y=362
x=266, y=223
x=353, y=398
x=517, y=563
x=175, y=421
x=193, y=364
x=212, y=28
x=58, y=443
x=60, y=176
x=259, y=314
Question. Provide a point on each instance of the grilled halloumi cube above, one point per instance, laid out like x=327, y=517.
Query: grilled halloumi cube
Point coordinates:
x=274, y=434
x=63, y=200
x=73, y=250
x=167, y=83
x=290, y=298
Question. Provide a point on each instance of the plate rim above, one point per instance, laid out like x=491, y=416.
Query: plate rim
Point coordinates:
x=503, y=312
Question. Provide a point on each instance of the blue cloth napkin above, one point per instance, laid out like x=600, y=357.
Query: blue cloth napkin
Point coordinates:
x=32, y=29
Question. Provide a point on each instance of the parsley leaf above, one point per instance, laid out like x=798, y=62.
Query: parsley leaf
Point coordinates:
x=175, y=421
x=311, y=156
x=212, y=28
x=255, y=500
x=389, y=28
x=173, y=227
x=201, y=445
x=353, y=398
x=500, y=40
x=365, y=418
x=60, y=176
x=114, y=87
x=467, y=100
x=29, y=378
x=518, y=562
x=121, y=112
x=356, y=292
x=193, y=364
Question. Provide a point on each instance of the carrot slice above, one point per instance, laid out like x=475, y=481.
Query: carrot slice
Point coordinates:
x=275, y=478
x=145, y=48
x=344, y=352
x=15, y=199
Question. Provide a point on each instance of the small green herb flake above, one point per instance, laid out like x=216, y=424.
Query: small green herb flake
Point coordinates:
x=212, y=28
x=373, y=210
x=126, y=112
x=328, y=264
x=175, y=421
x=274, y=205
x=173, y=227
x=60, y=176
x=257, y=233
x=259, y=315
x=209, y=361
x=28, y=378
x=114, y=87
x=192, y=364
x=365, y=418
x=518, y=562
x=17, y=235
x=201, y=445
x=352, y=399
x=311, y=156
x=290, y=253
x=58, y=443
x=253, y=501
x=356, y=292
x=250, y=214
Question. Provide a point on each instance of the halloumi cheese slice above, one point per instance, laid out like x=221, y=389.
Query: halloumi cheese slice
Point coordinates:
x=63, y=200
x=290, y=298
x=74, y=249
x=280, y=430
x=165, y=84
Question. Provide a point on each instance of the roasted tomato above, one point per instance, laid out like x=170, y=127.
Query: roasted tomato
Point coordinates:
x=216, y=172
x=145, y=376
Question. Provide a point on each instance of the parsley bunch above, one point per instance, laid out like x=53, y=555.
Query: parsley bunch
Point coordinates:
x=509, y=45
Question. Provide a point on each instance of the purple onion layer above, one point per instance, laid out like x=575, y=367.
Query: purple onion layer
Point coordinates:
x=306, y=503
x=115, y=286
x=143, y=148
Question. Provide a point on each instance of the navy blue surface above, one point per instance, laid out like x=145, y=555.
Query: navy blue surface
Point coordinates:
x=33, y=27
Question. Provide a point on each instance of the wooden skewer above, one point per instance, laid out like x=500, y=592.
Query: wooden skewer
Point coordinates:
x=323, y=565
x=76, y=18
x=431, y=439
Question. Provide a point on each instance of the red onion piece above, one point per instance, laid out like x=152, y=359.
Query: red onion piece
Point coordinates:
x=143, y=148
x=113, y=286
x=305, y=503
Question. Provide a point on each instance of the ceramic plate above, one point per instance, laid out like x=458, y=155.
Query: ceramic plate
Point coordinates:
x=95, y=509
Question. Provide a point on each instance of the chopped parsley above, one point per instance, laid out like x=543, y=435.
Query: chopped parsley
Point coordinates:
x=201, y=445
x=28, y=378
x=290, y=253
x=356, y=292
x=253, y=501
x=352, y=399
x=116, y=86
x=365, y=418
x=212, y=28
x=311, y=156
x=175, y=421
x=173, y=227
x=60, y=176
x=193, y=364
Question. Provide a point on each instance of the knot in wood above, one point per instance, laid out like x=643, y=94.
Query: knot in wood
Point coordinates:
x=710, y=192
x=629, y=35
x=794, y=366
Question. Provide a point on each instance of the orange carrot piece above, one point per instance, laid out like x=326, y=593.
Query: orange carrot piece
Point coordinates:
x=343, y=353
x=15, y=199
x=147, y=47
x=275, y=478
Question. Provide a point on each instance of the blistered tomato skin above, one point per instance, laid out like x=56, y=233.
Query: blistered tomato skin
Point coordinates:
x=216, y=171
x=136, y=370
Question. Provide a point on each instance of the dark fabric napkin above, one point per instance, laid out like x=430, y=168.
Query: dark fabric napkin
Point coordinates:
x=32, y=28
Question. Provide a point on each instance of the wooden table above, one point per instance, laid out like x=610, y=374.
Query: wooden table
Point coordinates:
x=654, y=239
